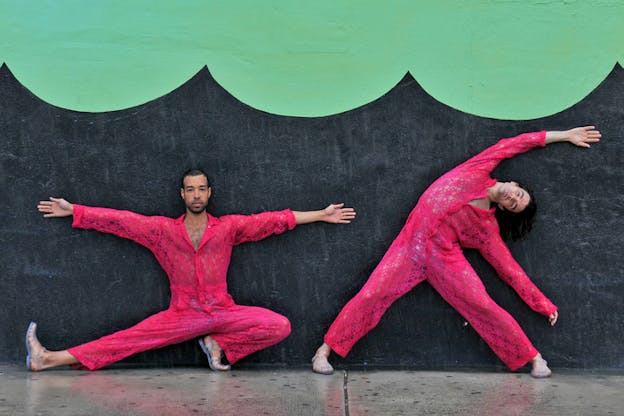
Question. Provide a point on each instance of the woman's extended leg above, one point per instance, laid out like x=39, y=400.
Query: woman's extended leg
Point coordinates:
x=391, y=279
x=457, y=282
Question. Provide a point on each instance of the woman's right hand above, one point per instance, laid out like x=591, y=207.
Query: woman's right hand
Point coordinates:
x=583, y=136
x=579, y=136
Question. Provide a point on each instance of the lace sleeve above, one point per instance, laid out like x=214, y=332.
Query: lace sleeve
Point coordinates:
x=496, y=252
x=505, y=149
x=258, y=226
x=139, y=228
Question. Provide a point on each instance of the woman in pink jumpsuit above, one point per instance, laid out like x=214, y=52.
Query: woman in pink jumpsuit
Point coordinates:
x=458, y=210
x=194, y=250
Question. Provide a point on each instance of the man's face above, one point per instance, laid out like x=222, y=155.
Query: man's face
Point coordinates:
x=196, y=193
x=512, y=198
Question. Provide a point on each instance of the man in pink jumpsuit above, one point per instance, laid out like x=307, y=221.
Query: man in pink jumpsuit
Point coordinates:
x=457, y=210
x=194, y=250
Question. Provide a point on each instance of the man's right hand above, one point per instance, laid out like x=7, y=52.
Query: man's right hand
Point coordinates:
x=55, y=207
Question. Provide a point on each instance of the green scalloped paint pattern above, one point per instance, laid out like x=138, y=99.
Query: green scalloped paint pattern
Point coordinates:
x=505, y=59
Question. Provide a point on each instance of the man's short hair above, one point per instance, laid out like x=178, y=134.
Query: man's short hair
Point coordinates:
x=193, y=172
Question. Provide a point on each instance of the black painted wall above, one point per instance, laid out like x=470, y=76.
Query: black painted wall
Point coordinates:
x=79, y=285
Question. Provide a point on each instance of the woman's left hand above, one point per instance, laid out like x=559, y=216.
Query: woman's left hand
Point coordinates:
x=553, y=318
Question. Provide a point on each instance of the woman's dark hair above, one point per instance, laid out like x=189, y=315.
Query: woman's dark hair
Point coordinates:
x=517, y=225
x=193, y=172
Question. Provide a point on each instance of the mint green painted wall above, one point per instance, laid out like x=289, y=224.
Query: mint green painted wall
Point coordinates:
x=502, y=59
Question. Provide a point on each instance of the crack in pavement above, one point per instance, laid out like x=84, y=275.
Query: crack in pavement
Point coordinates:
x=345, y=383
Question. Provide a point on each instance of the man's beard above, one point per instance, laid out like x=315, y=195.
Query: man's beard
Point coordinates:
x=197, y=210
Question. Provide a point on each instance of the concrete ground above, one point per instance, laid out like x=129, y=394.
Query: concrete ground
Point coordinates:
x=198, y=391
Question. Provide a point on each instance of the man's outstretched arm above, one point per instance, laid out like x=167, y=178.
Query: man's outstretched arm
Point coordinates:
x=258, y=226
x=334, y=214
x=139, y=228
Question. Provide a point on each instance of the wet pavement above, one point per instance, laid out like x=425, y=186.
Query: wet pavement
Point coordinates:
x=198, y=391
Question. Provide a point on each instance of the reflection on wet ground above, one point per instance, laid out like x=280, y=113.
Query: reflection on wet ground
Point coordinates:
x=197, y=391
x=179, y=391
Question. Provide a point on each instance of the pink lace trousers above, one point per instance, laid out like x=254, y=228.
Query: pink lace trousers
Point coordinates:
x=239, y=330
x=452, y=276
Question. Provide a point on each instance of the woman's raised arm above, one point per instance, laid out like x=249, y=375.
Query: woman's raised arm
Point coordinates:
x=579, y=136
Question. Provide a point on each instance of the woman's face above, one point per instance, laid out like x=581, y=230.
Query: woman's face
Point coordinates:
x=511, y=197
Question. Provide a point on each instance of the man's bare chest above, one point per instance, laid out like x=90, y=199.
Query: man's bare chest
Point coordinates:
x=195, y=234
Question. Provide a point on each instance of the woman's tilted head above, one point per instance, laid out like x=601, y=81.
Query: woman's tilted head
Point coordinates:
x=516, y=224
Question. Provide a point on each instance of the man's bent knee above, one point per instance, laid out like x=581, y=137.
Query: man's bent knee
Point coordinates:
x=281, y=328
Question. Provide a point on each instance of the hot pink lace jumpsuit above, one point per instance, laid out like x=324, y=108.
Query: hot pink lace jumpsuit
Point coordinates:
x=429, y=247
x=200, y=304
